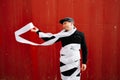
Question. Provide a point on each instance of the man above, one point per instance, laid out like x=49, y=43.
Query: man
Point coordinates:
x=69, y=53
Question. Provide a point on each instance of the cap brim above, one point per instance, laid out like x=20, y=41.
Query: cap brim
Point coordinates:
x=66, y=19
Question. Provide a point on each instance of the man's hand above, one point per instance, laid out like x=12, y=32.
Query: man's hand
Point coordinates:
x=83, y=67
x=35, y=29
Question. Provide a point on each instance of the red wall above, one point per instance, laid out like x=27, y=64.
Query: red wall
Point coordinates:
x=98, y=19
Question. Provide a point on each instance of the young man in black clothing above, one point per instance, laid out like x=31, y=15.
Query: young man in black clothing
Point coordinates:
x=69, y=53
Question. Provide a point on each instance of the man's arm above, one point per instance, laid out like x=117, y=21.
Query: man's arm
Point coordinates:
x=45, y=38
x=35, y=29
x=84, y=52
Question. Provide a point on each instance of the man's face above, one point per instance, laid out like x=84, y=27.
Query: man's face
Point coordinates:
x=67, y=25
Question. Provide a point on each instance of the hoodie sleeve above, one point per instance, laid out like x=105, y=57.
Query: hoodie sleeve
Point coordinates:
x=84, y=49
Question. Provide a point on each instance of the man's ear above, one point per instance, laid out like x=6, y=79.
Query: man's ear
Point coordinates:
x=72, y=23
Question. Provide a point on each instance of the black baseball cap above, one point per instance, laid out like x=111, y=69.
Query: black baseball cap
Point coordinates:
x=69, y=19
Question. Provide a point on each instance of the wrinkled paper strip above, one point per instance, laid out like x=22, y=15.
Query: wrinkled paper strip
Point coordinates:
x=25, y=29
x=29, y=26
